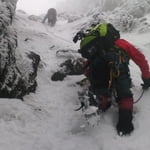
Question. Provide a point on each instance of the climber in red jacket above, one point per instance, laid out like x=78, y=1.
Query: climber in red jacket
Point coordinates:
x=107, y=68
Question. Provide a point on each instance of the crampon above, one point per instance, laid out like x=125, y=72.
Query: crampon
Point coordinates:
x=91, y=113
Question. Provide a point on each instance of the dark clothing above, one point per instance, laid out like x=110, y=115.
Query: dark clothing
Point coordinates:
x=99, y=73
x=99, y=76
x=107, y=69
x=99, y=70
x=124, y=124
x=51, y=16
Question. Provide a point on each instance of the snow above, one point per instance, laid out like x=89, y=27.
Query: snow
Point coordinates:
x=46, y=119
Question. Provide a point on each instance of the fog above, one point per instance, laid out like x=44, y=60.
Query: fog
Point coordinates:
x=37, y=7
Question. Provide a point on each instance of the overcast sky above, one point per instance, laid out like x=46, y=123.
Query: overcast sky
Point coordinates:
x=37, y=7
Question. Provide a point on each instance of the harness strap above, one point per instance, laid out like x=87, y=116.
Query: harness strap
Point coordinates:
x=113, y=74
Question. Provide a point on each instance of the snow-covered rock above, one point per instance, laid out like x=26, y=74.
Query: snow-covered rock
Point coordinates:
x=14, y=83
x=124, y=14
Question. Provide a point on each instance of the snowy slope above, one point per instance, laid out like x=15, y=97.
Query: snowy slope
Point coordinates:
x=46, y=120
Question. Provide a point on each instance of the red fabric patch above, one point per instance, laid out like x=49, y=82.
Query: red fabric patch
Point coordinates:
x=104, y=103
x=126, y=103
x=86, y=68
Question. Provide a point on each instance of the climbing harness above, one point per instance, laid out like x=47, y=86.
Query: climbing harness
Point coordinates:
x=113, y=74
x=111, y=86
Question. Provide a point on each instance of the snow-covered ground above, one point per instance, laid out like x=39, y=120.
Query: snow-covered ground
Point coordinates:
x=46, y=119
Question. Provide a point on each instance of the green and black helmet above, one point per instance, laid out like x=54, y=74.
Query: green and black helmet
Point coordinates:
x=99, y=30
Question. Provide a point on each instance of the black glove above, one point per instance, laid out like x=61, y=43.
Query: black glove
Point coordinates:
x=146, y=84
x=124, y=125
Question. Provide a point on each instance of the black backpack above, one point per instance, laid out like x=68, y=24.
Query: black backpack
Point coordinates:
x=98, y=38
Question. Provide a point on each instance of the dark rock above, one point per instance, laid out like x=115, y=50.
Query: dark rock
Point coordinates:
x=58, y=76
x=73, y=66
x=68, y=67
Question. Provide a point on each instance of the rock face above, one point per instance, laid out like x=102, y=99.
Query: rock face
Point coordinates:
x=15, y=81
x=71, y=66
x=68, y=67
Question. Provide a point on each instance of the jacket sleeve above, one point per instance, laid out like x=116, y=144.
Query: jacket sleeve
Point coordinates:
x=136, y=56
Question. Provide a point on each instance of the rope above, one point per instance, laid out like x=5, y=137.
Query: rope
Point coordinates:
x=110, y=79
x=58, y=37
x=114, y=75
x=139, y=97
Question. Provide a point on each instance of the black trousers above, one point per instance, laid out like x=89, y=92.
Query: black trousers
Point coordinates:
x=99, y=76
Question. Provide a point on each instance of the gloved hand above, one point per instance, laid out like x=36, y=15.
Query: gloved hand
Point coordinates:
x=124, y=125
x=146, y=84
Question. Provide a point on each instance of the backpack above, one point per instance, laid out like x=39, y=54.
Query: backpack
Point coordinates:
x=98, y=38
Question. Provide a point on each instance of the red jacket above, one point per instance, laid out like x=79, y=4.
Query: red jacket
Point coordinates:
x=136, y=56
